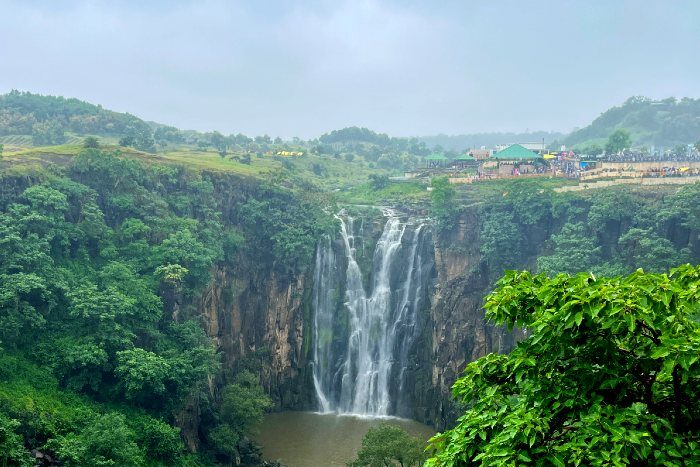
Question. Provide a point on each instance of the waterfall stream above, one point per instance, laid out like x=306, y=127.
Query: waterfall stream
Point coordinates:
x=362, y=339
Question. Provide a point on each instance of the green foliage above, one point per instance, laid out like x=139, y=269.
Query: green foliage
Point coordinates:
x=48, y=118
x=91, y=143
x=608, y=376
x=141, y=373
x=590, y=149
x=575, y=250
x=378, y=182
x=106, y=441
x=500, y=240
x=643, y=248
x=93, y=261
x=404, y=192
x=286, y=226
x=623, y=233
x=223, y=440
x=442, y=205
x=617, y=141
x=666, y=122
x=12, y=451
x=243, y=403
x=389, y=445
x=57, y=421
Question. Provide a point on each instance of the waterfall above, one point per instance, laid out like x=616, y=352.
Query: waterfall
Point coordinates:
x=362, y=340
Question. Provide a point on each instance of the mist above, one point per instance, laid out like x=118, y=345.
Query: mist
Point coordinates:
x=404, y=68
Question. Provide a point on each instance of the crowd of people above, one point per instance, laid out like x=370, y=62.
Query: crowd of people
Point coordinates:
x=630, y=156
x=672, y=172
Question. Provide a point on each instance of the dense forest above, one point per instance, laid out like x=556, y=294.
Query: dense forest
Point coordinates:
x=101, y=348
x=607, y=232
x=666, y=123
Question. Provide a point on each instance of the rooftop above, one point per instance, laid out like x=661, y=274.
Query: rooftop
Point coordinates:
x=515, y=152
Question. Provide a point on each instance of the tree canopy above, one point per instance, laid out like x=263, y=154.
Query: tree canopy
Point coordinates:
x=617, y=141
x=388, y=445
x=609, y=375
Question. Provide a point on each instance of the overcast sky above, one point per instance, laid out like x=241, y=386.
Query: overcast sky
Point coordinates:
x=302, y=68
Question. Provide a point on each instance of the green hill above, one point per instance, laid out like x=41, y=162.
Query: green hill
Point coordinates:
x=666, y=123
x=54, y=120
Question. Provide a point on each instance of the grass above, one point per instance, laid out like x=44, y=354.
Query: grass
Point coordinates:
x=210, y=160
x=326, y=171
x=411, y=192
x=485, y=189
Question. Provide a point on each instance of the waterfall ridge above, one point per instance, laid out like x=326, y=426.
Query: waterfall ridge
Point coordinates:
x=362, y=339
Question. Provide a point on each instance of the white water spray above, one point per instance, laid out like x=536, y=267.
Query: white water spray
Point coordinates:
x=381, y=325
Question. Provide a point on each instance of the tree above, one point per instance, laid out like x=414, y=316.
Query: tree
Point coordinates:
x=574, y=251
x=91, y=143
x=141, y=373
x=610, y=375
x=388, y=445
x=617, y=141
x=442, y=206
x=220, y=142
x=378, y=181
x=501, y=241
x=106, y=441
x=642, y=248
x=243, y=403
x=126, y=141
x=12, y=450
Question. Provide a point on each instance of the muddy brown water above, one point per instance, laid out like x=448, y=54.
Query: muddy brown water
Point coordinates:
x=308, y=439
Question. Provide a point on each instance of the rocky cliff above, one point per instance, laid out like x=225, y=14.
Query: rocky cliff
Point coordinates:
x=258, y=314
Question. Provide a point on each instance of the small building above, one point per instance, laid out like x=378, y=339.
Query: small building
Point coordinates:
x=436, y=161
x=463, y=161
x=514, y=160
x=480, y=154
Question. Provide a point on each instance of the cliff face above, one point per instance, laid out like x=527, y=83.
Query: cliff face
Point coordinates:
x=460, y=333
x=256, y=313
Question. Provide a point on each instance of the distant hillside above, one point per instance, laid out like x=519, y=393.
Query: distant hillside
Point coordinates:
x=48, y=119
x=476, y=140
x=666, y=123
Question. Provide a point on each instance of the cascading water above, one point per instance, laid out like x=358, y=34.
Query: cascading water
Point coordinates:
x=362, y=340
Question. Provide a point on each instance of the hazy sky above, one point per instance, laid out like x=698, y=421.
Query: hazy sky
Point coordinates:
x=306, y=67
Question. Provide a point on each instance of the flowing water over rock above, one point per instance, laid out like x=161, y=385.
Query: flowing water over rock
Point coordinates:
x=363, y=334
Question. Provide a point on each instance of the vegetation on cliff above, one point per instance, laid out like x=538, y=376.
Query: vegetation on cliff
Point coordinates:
x=524, y=223
x=103, y=262
x=609, y=375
